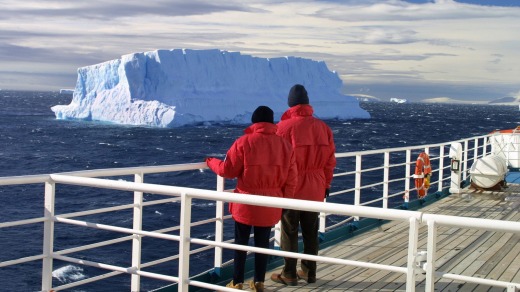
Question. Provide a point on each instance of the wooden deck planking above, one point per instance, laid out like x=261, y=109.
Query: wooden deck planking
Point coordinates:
x=448, y=238
x=467, y=261
x=479, y=252
x=467, y=251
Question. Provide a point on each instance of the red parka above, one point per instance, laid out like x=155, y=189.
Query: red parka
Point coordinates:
x=314, y=148
x=264, y=164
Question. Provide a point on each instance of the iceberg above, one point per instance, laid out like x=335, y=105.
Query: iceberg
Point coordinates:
x=398, y=100
x=170, y=88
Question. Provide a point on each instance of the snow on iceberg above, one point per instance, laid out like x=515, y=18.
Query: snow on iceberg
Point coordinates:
x=168, y=88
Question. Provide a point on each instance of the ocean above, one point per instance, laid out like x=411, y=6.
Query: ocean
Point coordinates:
x=34, y=142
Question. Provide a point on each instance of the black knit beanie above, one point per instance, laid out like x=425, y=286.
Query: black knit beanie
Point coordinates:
x=262, y=114
x=297, y=95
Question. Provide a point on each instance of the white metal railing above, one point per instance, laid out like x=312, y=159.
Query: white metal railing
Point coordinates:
x=386, y=179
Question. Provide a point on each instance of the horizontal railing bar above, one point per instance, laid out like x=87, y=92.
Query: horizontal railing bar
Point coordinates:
x=400, y=149
x=477, y=280
x=396, y=180
x=22, y=222
x=372, y=185
x=372, y=169
x=372, y=201
x=97, y=211
x=134, y=170
x=344, y=173
x=117, y=208
x=41, y=178
x=22, y=180
x=130, y=270
x=402, y=164
x=396, y=194
x=342, y=192
x=94, y=245
x=474, y=223
x=161, y=201
x=117, y=229
x=86, y=281
x=302, y=256
x=339, y=223
x=21, y=260
x=332, y=208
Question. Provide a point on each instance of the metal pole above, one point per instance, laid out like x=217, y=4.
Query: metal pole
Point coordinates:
x=386, y=174
x=184, y=243
x=441, y=168
x=412, y=252
x=430, y=256
x=219, y=225
x=466, y=148
x=357, y=196
x=48, y=236
x=407, y=175
x=137, y=240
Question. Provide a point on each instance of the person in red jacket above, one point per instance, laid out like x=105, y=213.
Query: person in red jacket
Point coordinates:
x=314, y=149
x=264, y=164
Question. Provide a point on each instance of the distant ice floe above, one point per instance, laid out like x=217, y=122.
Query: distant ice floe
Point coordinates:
x=66, y=91
x=398, y=100
x=168, y=88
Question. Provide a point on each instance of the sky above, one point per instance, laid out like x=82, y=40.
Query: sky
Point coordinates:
x=462, y=50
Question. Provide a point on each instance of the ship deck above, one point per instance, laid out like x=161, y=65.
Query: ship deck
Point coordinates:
x=471, y=252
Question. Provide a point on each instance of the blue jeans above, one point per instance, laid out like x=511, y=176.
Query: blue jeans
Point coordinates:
x=261, y=238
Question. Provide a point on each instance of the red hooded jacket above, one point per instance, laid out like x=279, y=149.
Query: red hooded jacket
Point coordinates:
x=264, y=164
x=314, y=148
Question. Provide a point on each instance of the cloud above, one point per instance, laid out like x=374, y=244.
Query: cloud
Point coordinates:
x=365, y=41
x=114, y=9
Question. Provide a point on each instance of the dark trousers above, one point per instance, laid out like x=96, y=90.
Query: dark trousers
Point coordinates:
x=308, y=222
x=261, y=238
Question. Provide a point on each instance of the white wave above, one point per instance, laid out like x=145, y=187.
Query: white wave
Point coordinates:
x=68, y=273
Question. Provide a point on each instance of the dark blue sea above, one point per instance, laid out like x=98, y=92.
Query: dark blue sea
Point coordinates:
x=32, y=141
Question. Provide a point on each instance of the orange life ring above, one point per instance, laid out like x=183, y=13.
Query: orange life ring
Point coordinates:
x=422, y=172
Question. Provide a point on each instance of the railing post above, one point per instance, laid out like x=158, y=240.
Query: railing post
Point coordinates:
x=475, y=151
x=219, y=225
x=184, y=243
x=465, y=159
x=386, y=174
x=441, y=168
x=137, y=239
x=412, y=252
x=484, y=147
x=322, y=222
x=277, y=235
x=48, y=236
x=407, y=176
x=357, y=196
x=431, y=255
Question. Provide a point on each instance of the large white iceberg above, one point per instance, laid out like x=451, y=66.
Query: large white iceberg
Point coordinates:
x=168, y=88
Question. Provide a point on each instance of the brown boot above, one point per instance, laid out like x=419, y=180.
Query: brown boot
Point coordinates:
x=279, y=278
x=258, y=286
x=304, y=276
x=239, y=286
